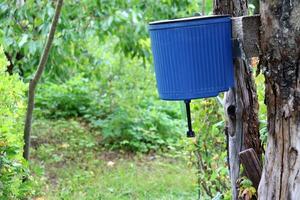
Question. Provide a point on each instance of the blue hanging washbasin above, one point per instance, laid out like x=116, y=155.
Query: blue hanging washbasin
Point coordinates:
x=192, y=57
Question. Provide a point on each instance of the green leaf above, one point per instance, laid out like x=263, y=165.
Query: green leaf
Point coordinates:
x=23, y=40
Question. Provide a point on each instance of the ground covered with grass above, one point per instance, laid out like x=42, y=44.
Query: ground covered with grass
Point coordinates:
x=68, y=162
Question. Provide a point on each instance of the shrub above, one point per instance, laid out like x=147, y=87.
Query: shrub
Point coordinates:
x=208, y=149
x=76, y=97
x=120, y=99
x=137, y=128
x=12, y=110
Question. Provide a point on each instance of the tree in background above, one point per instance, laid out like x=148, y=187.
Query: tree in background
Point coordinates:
x=37, y=76
x=26, y=28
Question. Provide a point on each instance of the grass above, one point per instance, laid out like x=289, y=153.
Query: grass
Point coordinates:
x=68, y=163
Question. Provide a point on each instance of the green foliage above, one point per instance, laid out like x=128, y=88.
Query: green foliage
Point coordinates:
x=119, y=98
x=260, y=83
x=208, y=7
x=145, y=127
x=122, y=106
x=26, y=28
x=12, y=109
x=246, y=189
x=208, y=149
x=76, y=97
x=99, y=74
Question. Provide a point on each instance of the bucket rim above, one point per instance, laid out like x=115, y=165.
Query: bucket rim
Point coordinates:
x=186, y=19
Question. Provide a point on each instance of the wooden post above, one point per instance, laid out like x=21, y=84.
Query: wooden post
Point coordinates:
x=240, y=104
x=251, y=165
x=245, y=30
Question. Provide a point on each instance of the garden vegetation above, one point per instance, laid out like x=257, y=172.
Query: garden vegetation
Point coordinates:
x=99, y=129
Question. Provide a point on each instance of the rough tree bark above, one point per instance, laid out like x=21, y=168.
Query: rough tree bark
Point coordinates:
x=241, y=104
x=280, y=44
x=33, y=83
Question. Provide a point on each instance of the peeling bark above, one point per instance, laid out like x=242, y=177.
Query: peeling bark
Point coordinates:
x=280, y=44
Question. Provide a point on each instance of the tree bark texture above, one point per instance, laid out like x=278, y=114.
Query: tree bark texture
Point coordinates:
x=33, y=83
x=280, y=44
x=234, y=8
x=241, y=104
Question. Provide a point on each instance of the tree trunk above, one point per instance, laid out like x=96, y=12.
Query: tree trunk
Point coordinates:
x=33, y=83
x=280, y=44
x=241, y=104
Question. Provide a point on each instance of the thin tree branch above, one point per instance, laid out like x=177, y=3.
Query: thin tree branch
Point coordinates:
x=33, y=83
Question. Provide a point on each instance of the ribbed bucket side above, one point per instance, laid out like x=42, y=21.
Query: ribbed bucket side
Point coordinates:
x=193, y=61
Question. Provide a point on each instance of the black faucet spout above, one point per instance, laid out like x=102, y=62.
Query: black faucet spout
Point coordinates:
x=190, y=132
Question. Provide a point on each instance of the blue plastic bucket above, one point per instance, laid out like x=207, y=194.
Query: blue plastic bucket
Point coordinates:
x=192, y=57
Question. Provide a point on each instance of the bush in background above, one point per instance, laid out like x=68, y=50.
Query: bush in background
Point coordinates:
x=12, y=109
x=117, y=96
x=207, y=151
